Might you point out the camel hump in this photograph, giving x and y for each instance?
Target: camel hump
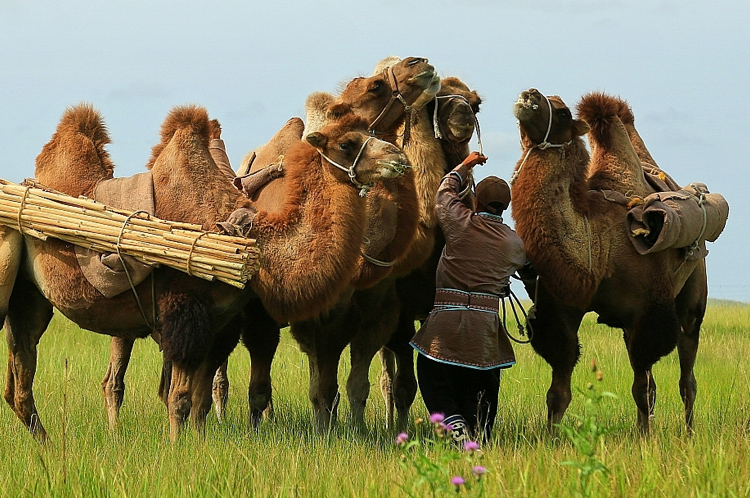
(191, 117)
(599, 110)
(316, 107)
(86, 120)
(214, 129)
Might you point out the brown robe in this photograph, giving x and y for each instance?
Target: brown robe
(480, 254)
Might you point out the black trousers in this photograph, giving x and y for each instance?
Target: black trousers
(456, 390)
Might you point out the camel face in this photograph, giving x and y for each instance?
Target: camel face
(457, 109)
(373, 98)
(546, 119)
(366, 159)
(456, 119)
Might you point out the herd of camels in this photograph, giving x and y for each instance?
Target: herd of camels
(341, 207)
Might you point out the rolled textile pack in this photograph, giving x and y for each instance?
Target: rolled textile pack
(36, 210)
(677, 219)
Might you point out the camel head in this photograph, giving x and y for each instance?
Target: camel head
(457, 106)
(384, 99)
(546, 121)
(346, 146)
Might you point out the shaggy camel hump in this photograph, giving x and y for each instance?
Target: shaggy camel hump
(191, 119)
(615, 163)
(75, 159)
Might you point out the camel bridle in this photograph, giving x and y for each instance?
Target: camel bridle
(436, 121)
(396, 96)
(543, 145)
(363, 187)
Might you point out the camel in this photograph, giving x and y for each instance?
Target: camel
(576, 241)
(390, 236)
(197, 320)
(450, 130)
(372, 313)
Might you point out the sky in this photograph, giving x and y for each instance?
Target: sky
(681, 65)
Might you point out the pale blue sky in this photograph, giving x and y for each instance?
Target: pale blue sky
(682, 66)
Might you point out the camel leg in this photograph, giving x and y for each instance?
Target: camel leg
(387, 372)
(655, 335)
(555, 338)
(223, 344)
(405, 379)
(323, 343)
(165, 381)
(358, 383)
(201, 395)
(179, 399)
(113, 384)
(28, 316)
(260, 335)
(691, 307)
(220, 390)
(363, 348)
(324, 391)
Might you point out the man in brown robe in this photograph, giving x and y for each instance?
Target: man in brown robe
(463, 345)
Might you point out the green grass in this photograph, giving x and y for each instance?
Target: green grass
(286, 458)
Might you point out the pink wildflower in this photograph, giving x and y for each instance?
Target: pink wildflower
(458, 481)
(436, 418)
(402, 438)
(471, 446)
(478, 470)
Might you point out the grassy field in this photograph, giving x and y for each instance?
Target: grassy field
(286, 458)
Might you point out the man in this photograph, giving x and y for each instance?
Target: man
(462, 345)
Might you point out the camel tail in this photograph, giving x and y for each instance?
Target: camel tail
(600, 110)
(87, 121)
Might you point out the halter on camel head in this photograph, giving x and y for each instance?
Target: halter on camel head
(395, 96)
(544, 144)
(439, 134)
(364, 187)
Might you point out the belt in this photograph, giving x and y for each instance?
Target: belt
(455, 297)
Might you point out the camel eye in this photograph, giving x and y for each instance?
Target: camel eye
(376, 86)
(345, 146)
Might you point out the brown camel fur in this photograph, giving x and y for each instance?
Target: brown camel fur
(194, 316)
(373, 313)
(575, 239)
(413, 76)
(392, 224)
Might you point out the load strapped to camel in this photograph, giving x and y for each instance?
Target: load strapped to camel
(682, 218)
(36, 210)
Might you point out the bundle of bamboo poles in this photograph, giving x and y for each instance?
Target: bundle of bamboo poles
(41, 212)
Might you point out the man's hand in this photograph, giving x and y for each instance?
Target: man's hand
(473, 159)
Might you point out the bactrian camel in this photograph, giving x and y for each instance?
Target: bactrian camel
(196, 319)
(576, 241)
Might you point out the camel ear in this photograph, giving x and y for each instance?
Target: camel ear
(475, 101)
(580, 127)
(337, 111)
(317, 139)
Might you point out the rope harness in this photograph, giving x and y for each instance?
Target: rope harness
(363, 187)
(395, 96)
(544, 145)
(151, 325)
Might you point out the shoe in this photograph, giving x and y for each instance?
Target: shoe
(459, 430)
